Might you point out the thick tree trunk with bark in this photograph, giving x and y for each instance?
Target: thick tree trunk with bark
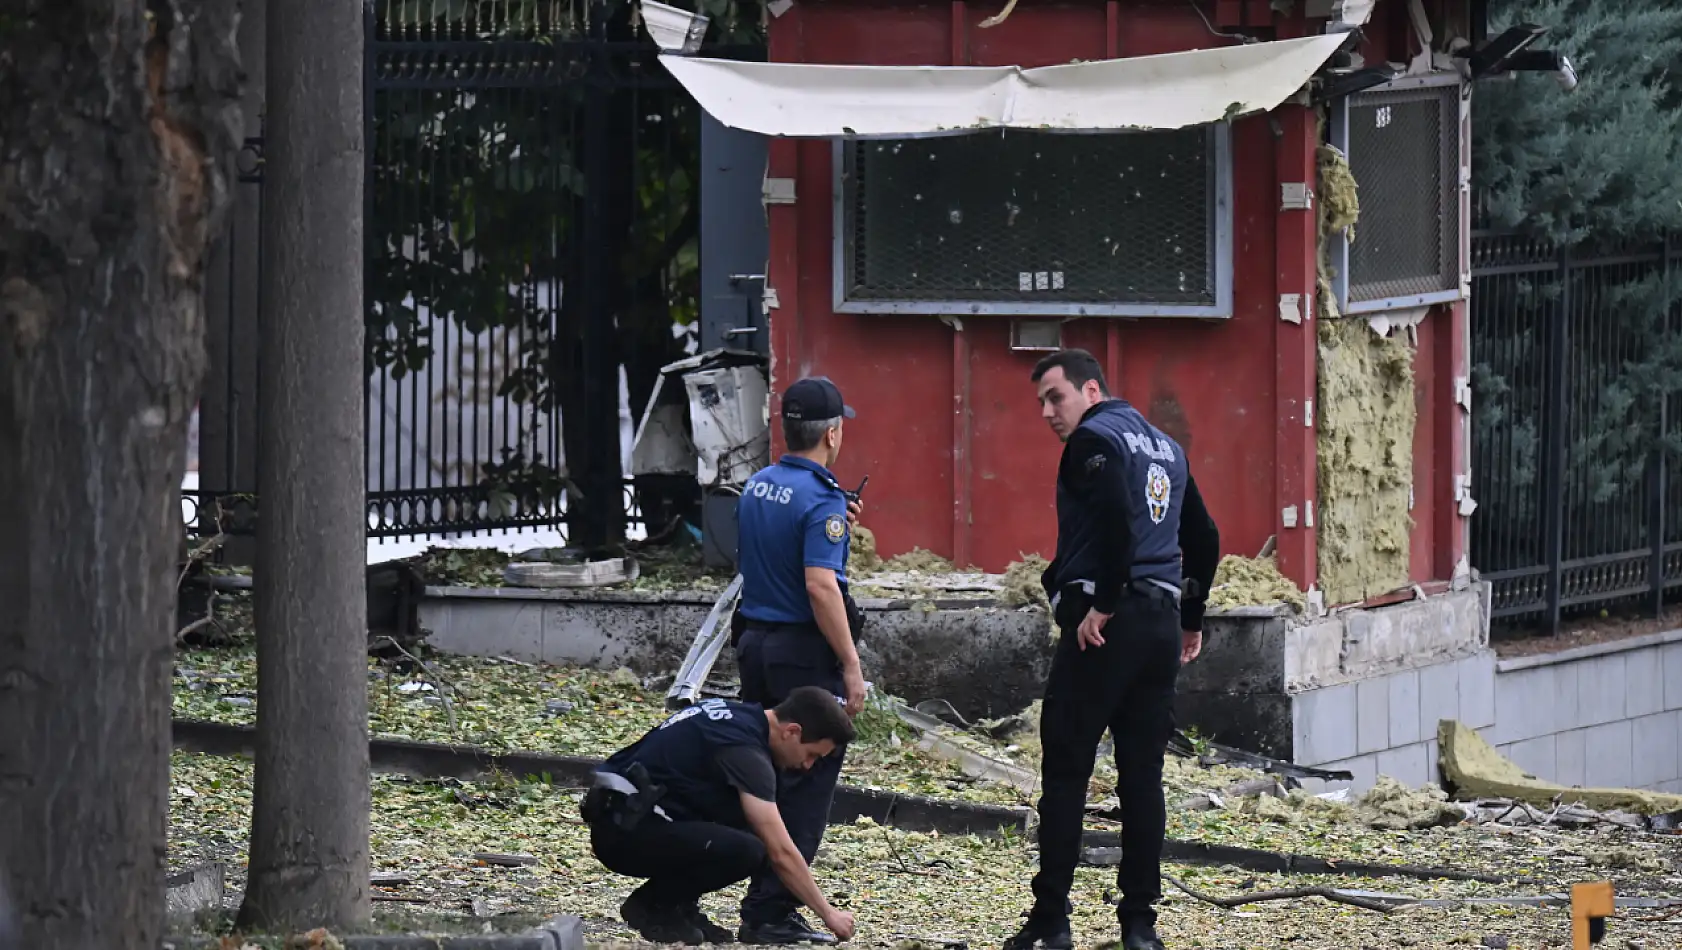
(117, 118)
(309, 834)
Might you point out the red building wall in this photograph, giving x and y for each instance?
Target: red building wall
(948, 427)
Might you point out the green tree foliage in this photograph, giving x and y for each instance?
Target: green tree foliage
(482, 212)
(1585, 176)
(1600, 161)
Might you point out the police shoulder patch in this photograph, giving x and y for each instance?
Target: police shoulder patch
(1094, 462)
(835, 528)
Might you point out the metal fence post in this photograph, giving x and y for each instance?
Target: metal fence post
(370, 141)
(1553, 498)
(599, 474)
(1658, 471)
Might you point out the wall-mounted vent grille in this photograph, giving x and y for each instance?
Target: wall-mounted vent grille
(1404, 151)
(996, 221)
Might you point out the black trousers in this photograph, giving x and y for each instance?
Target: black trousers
(681, 860)
(1126, 686)
(773, 662)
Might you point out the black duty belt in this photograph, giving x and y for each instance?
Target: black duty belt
(855, 623)
(770, 626)
(1145, 587)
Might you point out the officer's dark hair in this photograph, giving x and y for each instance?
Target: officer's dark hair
(1078, 366)
(804, 435)
(818, 715)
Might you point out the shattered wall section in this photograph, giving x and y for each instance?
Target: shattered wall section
(1364, 425)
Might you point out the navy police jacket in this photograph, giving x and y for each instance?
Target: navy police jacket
(1127, 507)
(691, 755)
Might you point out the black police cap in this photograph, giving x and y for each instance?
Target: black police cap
(814, 398)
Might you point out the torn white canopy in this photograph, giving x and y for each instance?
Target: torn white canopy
(1167, 91)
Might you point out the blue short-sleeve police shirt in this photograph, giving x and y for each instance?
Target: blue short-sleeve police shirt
(792, 515)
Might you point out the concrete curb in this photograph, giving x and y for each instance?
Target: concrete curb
(565, 932)
(428, 760)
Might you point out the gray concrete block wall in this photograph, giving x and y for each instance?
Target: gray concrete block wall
(1671, 654)
(1387, 725)
(1324, 724)
(1608, 716)
(986, 661)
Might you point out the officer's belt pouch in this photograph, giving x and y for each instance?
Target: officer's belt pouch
(593, 807)
(855, 615)
(738, 626)
(625, 801)
(1071, 604)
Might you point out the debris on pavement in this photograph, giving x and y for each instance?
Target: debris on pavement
(429, 834)
(861, 553)
(1476, 770)
(1252, 582)
(1213, 753)
(1021, 583)
(1388, 805)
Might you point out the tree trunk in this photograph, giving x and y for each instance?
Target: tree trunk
(309, 832)
(116, 119)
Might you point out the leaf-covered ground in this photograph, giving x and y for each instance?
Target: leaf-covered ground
(898, 884)
(515, 706)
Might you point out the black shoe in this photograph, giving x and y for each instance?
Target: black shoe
(710, 932)
(1044, 932)
(1140, 936)
(791, 929)
(659, 924)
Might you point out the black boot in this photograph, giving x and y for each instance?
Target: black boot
(710, 932)
(1140, 935)
(791, 929)
(1043, 931)
(659, 923)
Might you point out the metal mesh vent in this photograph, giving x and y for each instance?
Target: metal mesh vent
(1404, 152)
(1031, 218)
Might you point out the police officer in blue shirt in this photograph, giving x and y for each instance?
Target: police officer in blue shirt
(797, 623)
(691, 807)
(1136, 553)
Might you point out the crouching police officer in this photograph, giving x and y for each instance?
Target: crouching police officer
(796, 623)
(1128, 515)
(691, 807)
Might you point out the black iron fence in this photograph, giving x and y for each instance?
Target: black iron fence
(532, 213)
(1575, 376)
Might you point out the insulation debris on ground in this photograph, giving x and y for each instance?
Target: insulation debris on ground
(1388, 805)
(861, 552)
(1022, 585)
(917, 560)
(1471, 765)
(1252, 582)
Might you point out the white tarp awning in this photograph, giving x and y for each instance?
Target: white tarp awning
(1168, 91)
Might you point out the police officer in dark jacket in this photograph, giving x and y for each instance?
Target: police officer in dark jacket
(797, 623)
(1132, 534)
(691, 807)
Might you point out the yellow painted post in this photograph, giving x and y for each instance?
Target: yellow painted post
(1591, 904)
